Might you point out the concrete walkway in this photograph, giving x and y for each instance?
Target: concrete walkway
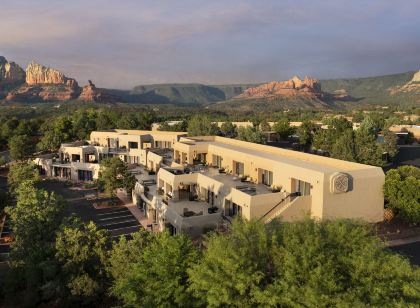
(137, 213)
(403, 241)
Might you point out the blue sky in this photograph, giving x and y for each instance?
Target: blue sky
(124, 43)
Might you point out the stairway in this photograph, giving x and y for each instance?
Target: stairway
(278, 209)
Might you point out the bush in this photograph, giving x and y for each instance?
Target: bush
(402, 192)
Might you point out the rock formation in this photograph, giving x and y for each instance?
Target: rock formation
(90, 93)
(10, 73)
(45, 84)
(308, 87)
(413, 86)
(39, 74)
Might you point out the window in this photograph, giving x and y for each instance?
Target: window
(266, 177)
(232, 209)
(133, 145)
(85, 175)
(239, 168)
(217, 161)
(303, 187)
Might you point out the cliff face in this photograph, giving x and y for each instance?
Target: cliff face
(90, 93)
(307, 87)
(10, 73)
(39, 74)
(45, 84)
(413, 86)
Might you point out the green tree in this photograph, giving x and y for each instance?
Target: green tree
(305, 133)
(368, 125)
(83, 124)
(324, 139)
(178, 127)
(21, 172)
(114, 174)
(128, 121)
(344, 148)
(264, 126)
(158, 278)
(104, 121)
(390, 143)
(201, 126)
(228, 129)
(283, 128)
(81, 254)
(307, 263)
(402, 192)
(55, 133)
(34, 220)
(234, 267)
(366, 148)
(145, 120)
(251, 134)
(125, 253)
(20, 147)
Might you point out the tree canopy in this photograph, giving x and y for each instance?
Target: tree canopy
(201, 126)
(308, 263)
(21, 147)
(20, 172)
(157, 275)
(402, 192)
(114, 174)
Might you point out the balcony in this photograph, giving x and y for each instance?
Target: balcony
(119, 150)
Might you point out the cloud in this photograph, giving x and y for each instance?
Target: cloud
(124, 43)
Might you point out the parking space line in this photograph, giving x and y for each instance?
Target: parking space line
(126, 227)
(113, 212)
(109, 218)
(119, 222)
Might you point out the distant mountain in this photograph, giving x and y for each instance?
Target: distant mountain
(39, 84)
(186, 93)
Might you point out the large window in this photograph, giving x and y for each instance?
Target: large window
(232, 209)
(266, 177)
(303, 187)
(85, 175)
(239, 168)
(217, 161)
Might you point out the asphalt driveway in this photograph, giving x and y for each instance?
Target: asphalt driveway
(116, 220)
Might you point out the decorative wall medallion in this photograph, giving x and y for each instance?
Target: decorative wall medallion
(340, 183)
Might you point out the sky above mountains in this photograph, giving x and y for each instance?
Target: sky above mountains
(120, 44)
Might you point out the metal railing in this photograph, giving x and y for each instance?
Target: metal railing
(288, 196)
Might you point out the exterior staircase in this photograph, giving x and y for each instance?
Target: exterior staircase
(279, 208)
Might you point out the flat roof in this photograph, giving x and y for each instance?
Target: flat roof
(274, 154)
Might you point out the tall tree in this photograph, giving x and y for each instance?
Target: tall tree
(344, 148)
(251, 134)
(34, 221)
(305, 133)
(21, 147)
(389, 144)
(234, 268)
(283, 128)
(308, 263)
(114, 174)
(158, 278)
(55, 133)
(402, 192)
(21, 172)
(228, 129)
(367, 150)
(201, 126)
(81, 254)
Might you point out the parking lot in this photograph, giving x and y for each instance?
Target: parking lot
(117, 220)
